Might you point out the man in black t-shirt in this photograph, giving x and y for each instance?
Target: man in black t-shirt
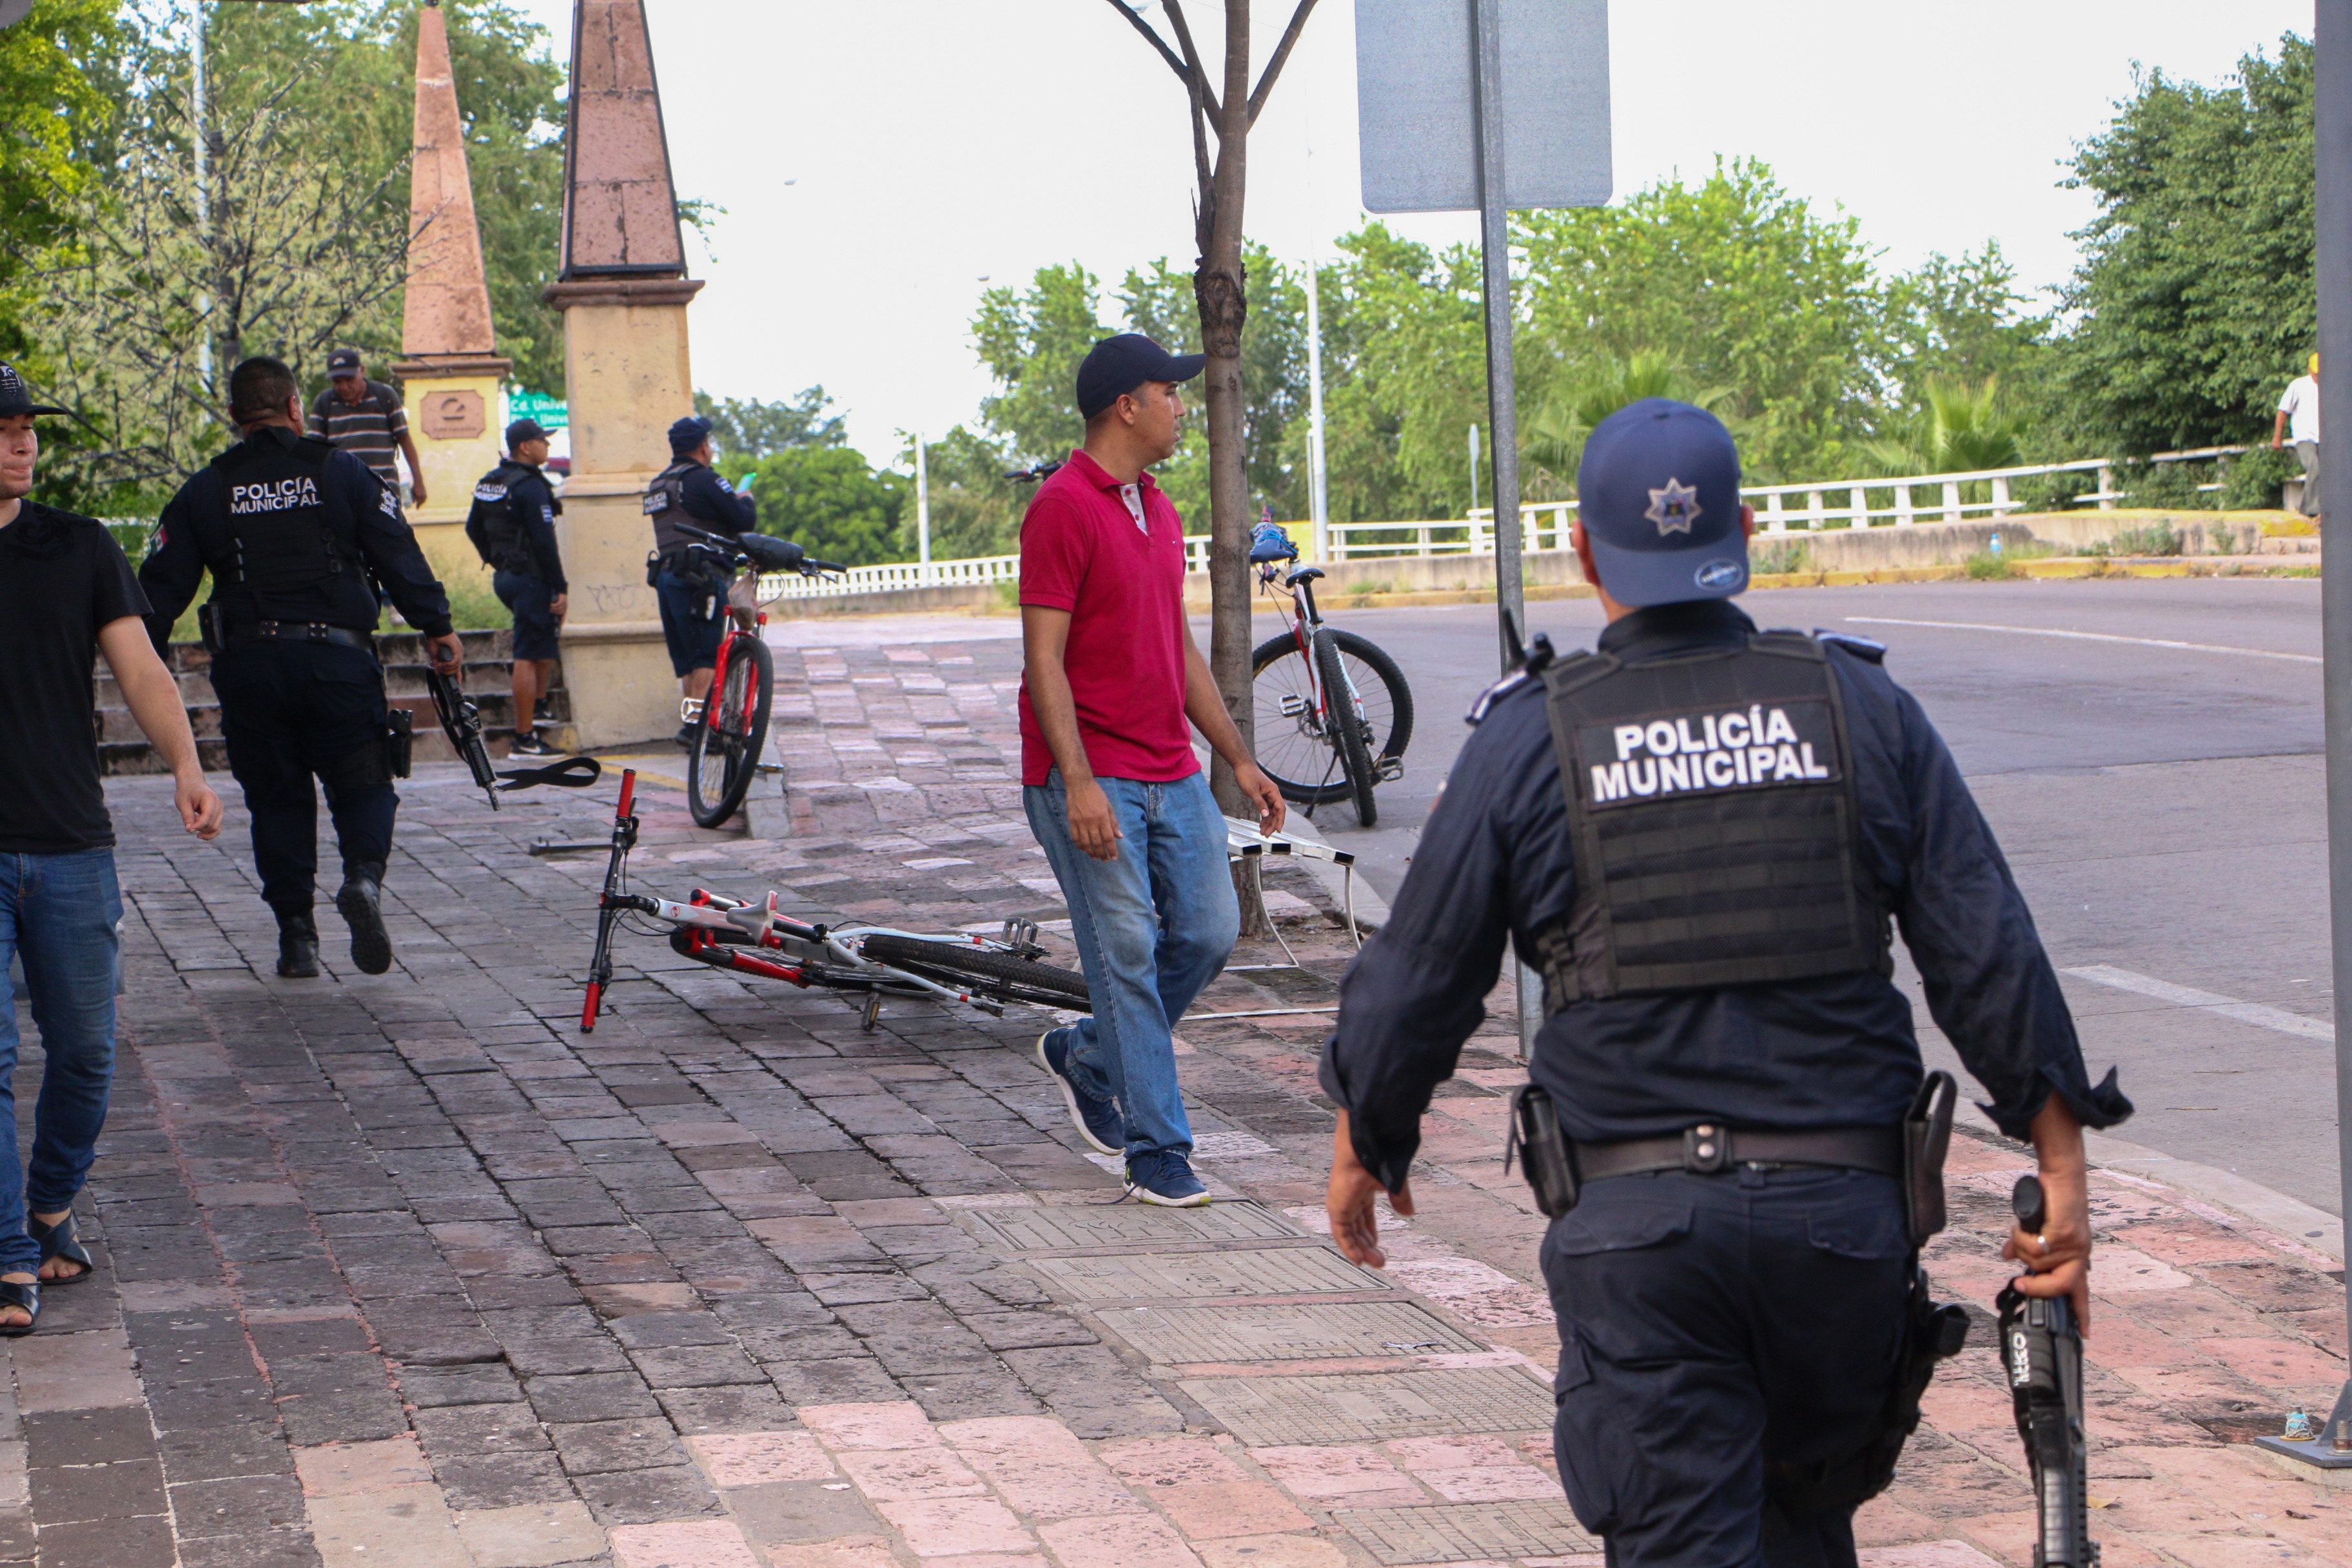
(66, 593)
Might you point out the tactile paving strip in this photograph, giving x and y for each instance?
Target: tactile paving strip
(1173, 1276)
(1467, 1531)
(1285, 1333)
(1050, 1227)
(1270, 1411)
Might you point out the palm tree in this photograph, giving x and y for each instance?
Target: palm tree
(1553, 438)
(1963, 429)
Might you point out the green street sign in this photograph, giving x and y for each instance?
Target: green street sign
(549, 411)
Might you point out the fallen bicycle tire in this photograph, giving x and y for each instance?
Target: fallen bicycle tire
(992, 974)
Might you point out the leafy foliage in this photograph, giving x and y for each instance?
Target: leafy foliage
(1963, 429)
(1553, 437)
(55, 72)
(748, 430)
(2196, 288)
(828, 501)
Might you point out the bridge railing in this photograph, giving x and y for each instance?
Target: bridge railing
(1898, 502)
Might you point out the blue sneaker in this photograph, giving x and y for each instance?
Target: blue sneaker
(1165, 1179)
(1096, 1116)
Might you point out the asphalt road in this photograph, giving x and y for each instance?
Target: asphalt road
(2155, 778)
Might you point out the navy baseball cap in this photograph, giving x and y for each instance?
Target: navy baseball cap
(523, 430)
(344, 362)
(1116, 366)
(688, 434)
(1659, 495)
(16, 399)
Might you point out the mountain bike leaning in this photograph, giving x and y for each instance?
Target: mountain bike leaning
(1334, 714)
(730, 725)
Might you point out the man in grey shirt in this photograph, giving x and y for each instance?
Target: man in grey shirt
(364, 418)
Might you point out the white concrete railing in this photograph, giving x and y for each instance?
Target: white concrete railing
(1779, 509)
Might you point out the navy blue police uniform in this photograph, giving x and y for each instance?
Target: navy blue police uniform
(293, 529)
(512, 526)
(693, 590)
(1699, 836)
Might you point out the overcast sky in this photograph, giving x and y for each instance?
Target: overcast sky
(935, 143)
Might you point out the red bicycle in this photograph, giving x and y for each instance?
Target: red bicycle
(730, 725)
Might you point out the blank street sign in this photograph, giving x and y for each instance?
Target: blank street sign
(1414, 110)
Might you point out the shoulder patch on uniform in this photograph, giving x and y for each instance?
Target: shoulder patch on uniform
(1865, 647)
(1488, 697)
(386, 502)
(488, 491)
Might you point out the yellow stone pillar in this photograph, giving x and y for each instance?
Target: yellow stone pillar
(451, 374)
(623, 293)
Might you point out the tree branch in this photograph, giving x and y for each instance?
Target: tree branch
(1156, 41)
(1281, 56)
(1191, 57)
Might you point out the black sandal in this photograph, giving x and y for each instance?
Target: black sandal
(61, 1240)
(26, 1299)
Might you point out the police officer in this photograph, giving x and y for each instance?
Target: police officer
(692, 586)
(292, 529)
(1699, 833)
(512, 526)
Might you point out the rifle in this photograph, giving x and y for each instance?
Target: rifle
(462, 722)
(2042, 1352)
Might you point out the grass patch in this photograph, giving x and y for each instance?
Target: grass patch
(1782, 558)
(2152, 539)
(1989, 566)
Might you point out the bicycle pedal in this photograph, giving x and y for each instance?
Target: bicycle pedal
(1295, 706)
(689, 710)
(1389, 770)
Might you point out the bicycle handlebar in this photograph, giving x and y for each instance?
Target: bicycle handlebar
(1042, 472)
(762, 551)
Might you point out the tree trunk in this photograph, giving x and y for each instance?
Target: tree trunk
(1218, 291)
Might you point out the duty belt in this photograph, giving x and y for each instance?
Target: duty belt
(299, 631)
(1711, 1147)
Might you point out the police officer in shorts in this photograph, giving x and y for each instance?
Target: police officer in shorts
(1699, 835)
(512, 526)
(292, 529)
(691, 582)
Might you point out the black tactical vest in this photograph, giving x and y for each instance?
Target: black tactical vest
(666, 505)
(503, 542)
(1716, 820)
(289, 539)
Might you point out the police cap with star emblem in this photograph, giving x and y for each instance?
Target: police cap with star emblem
(1659, 494)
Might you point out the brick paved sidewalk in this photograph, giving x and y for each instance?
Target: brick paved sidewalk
(403, 1269)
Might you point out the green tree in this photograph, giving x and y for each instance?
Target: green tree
(1552, 437)
(2196, 288)
(1958, 319)
(1032, 342)
(1743, 284)
(57, 104)
(827, 500)
(749, 429)
(975, 510)
(1963, 428)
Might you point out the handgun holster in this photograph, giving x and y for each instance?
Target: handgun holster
(1926, 1138)
(399, 741)
(1544, 1159)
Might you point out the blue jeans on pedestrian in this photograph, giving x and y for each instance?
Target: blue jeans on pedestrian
(60, 914)
(1152, 928)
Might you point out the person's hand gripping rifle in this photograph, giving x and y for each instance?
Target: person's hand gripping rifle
(461, 720)
(2042, 1355)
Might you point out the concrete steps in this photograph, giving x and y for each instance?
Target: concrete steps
(122, 749)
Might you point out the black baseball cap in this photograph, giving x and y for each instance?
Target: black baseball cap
(688, 434)
(344, 362)
(1116, 366)
(1658, 492)
(523, 430)
(16, 399)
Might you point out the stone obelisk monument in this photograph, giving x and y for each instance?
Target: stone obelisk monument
(451, 372)
(623, 293)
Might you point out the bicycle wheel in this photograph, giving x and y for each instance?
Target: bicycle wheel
(1292, 743)
(996, 974)
(734, 734)
(1339, 700)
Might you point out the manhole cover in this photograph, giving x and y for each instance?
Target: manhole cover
(1047, 1228)
(1265, 1411)
(1173, 1276)
(1285, 1333)
(1467, 1531)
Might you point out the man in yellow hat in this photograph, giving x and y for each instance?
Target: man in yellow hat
(2298, 420)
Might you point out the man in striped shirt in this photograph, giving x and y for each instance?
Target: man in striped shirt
(364, 418)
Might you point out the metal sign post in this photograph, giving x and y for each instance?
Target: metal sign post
(1499, 105)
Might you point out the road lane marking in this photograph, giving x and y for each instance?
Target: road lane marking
(2087, 636)
(2253, 1013)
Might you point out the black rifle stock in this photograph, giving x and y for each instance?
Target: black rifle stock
(462, 722)
(2041, 1354)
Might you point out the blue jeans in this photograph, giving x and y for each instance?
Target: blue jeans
(60, 914)
(1152, 927)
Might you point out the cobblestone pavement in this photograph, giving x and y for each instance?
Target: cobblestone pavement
(403, 1269)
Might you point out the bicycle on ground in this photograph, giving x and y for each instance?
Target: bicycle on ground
(1334, 714)
(730, 725)
(877, 961)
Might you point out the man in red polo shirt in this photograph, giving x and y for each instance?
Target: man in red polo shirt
(1110, 676)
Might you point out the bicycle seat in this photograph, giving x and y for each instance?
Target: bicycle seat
(1298, 575)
